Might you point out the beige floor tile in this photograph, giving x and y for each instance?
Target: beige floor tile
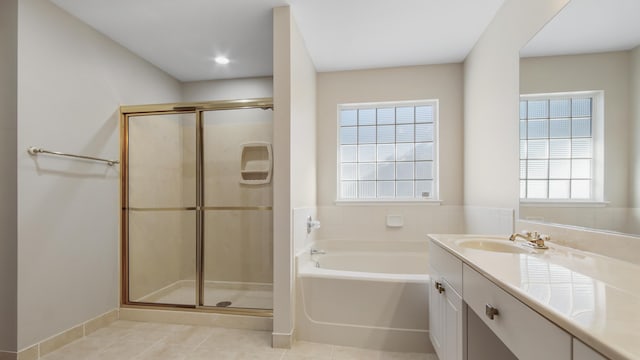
(309, 350)
(165, 351)
(203, 353)
(111, 333)
(351, 353)
(189, 336)
(125, 324)
(132, 340)
(142, 325)
(143, 335)
(80, 349)
(406, 356)
(122, 350)
(232, 339)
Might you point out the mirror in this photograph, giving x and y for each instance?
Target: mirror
(590, 47)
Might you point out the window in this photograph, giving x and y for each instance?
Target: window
(558, 153)
(388, 151)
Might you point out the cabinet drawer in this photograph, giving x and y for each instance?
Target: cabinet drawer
(526, 333)
(446, 265)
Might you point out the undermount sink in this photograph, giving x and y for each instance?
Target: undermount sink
(492, 245)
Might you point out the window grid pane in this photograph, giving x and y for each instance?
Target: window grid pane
(556, 148)
(388, 152)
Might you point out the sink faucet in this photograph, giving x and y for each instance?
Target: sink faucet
(533, 239)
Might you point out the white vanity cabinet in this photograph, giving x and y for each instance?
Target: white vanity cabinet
(446, 310)
(583, 352)
(527, 334)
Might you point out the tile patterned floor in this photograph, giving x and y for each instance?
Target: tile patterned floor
(124, 340)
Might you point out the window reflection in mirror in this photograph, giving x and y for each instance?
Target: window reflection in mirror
(590, 46)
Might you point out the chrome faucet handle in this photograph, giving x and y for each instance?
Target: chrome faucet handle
(312, 224)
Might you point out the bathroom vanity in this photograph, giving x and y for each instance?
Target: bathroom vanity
(557, 303)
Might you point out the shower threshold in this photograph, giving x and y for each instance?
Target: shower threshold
(240, 295)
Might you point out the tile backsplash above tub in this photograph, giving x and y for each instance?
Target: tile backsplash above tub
(370, 222)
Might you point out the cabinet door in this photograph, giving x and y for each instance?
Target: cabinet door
(452, 310)
(583, 352)
(445, 319)
(436, 316)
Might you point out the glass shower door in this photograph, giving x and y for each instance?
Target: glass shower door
(161, 209)
(238, 218)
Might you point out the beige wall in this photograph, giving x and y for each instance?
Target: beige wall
(71, 81)
(634, 141)
(604, 71)
(443, 82)
(368, 222)
(8, 180)
(228, 89)
(294, 154)
(491, 92)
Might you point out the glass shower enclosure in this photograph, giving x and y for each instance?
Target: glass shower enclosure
(197, 219)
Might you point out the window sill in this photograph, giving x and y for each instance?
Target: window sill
(376, 202)
(563, 203)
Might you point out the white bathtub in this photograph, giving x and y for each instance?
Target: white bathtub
(365, 294)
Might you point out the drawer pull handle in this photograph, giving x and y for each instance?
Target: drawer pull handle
(490, 311)
(439, 287)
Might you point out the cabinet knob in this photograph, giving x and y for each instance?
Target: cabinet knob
(490, 311)
(439, 287)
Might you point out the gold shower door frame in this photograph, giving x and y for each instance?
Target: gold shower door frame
(171, 109)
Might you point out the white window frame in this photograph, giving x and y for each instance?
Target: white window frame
(597, 136)
(434, 196)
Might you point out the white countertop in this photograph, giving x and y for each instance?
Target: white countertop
(592, 297)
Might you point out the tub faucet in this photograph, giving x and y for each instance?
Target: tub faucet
(317, 252)
(312, 224)
(533, 239)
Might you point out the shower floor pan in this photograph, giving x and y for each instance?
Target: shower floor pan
(216, 293)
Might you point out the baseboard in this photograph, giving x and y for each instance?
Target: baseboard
(63, 338)
(8, 355)
(282, 340)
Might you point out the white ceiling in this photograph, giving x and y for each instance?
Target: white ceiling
(588, 26)
(182, 37)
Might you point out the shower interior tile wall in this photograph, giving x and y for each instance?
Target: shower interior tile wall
(238, 243)
(157, 179)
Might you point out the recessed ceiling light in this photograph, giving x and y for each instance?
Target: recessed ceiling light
(221, 60)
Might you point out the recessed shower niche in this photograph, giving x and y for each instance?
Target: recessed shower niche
(256, 163)
(193, 235)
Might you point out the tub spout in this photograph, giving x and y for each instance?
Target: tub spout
(317, 252)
